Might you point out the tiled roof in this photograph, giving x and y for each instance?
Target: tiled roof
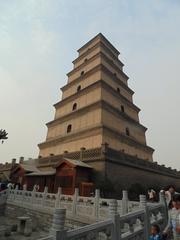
(42, 173)
(76, 163)
(29, 168)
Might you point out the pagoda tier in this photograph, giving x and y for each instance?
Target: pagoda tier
(96, 106)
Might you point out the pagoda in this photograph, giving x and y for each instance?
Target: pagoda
(97, 107)
(96, 139)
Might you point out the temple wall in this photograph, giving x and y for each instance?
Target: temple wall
(73, 145)
(115, 85)
(85, 82)
(86, 68)
(82, 121)
(114, 60)
(87, 56)
(95, 51)
(116, 143)
(124, 176)
(119, 124)
(117, 102)
(113, 70)
(81, 101)
(93, 43)
(98, 60)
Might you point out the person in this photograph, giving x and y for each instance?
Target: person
(3, 186)
(36, 188)
(10, 185)
(151, 195)
(155, 233)
(174, 219)
(169, 194)
(24, 187)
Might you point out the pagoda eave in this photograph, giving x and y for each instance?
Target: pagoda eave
(104, 39)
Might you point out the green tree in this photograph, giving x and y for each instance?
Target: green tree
(135, 190)
(106, 188)
(3, 135)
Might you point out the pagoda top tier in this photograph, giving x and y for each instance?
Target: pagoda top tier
(100, 38)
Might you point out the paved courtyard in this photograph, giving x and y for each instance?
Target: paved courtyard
(7, 223)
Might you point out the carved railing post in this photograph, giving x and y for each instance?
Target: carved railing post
(32, 196)
(116, 231)
(44, 196)
(162, 200)
(96, 204)
(75, 197)
(23, 196)
(25, 187)
(143, 205)
(58, 225)
(58, 197)
(15, 193)
(125, 202)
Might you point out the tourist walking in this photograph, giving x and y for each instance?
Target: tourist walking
(152, 197)
(36, 188)
(10, 185)
(169, 194)
(174, 219)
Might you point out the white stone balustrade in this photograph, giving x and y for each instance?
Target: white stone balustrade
(133, 225)
(90, 209)
(115, 221)
(3, 197)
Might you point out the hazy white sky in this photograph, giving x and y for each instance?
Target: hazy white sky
(38, 42)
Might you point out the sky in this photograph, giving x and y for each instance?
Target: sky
(39, 40)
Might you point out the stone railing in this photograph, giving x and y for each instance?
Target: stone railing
(3, 197)
(135, 225)
(107, 218)
(87, 209)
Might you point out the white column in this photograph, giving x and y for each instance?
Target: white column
(44, 195)
(58, 224)
(76, 194)
(113, 214)
(58, 196)
(96, 203)
(162, 200)
(32, 197)
(15, 192)
(125, 202)
(143, 205)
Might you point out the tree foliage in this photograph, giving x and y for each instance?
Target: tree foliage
(3, 135)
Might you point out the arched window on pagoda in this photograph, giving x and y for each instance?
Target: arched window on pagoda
(118, 90)
(69, 128)
(122, 108)
(82, 73)
(74, 106)
(127, 132)
(78, 88)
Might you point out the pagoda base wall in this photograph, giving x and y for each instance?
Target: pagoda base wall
(125, 177)
(114, 177)
(115, 170)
